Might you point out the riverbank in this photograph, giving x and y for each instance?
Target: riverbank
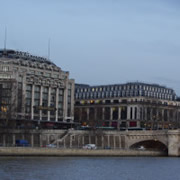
(29, 151)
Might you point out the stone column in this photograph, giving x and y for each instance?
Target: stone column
(14, 139)
(72, 99)
(162, 119)
(119, 113)
(108, 138)
(4, 140)
(103, 115)
(168, 115)
(96, 140)
(138, 124)
(157, 114)
(111, 116)
(40, 140)
(32, 103)
(114, 139)
(80, 117)
(156, 122)
(95, 114)
(87, 114)
(138, 113)
(32, 140)
(119, 141)
(83, 140)
(111, 113)
(70, 143)
(102, 140)
(78, 140)
(57, 100)
(49, 102)
(133, 112)
(65, 102)
(119, 117)
(145, 113)
(174, 116)
(41, 98)
(128, 112)
(24, 93)
(151, 115)
(128, 116)
(89, 139)
(64, 141)
(48, 139)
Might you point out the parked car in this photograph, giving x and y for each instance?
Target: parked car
(107, 147)
(141, 148)
(22, 143)
(51, 145)
(90, 146)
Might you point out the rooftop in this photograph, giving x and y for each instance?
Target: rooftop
(123, 84)
(8, 53)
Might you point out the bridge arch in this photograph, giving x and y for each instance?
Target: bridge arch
(150, 145)
(150, 136)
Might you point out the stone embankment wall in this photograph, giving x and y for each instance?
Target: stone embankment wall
(115, 140)
(28, 151)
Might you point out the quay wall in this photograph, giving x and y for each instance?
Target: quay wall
(76, 139)
(29, 151)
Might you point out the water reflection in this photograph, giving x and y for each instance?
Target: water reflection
(92, 168)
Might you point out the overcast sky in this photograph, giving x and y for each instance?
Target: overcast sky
(99, 41)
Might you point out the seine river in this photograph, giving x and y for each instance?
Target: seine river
(89, 168)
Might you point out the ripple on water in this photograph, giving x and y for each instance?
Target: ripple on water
(89, 168)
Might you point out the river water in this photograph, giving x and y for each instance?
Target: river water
(89, 168)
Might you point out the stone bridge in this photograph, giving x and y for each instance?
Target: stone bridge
(161, 140)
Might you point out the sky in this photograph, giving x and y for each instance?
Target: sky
(99, 41)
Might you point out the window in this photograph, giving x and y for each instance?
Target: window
(15, 69)
(56, 75)
(47, 74)
(110, 94)
(37, 88)
(87, 95)
(39, 73)
(5, 68)
(32, 72)
(5, 76)
(102, 94)
(45, 89)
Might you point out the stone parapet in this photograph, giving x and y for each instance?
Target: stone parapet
(27, 151)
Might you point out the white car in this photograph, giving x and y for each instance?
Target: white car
(51, 146)
(90, 146)
(141, 148)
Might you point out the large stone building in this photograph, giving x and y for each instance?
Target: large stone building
(131, 105)
(34, 89)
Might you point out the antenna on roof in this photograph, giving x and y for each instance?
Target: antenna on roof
(49, 41)
(5, 38)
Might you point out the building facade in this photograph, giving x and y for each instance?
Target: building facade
(127, 106)
(34, 89)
